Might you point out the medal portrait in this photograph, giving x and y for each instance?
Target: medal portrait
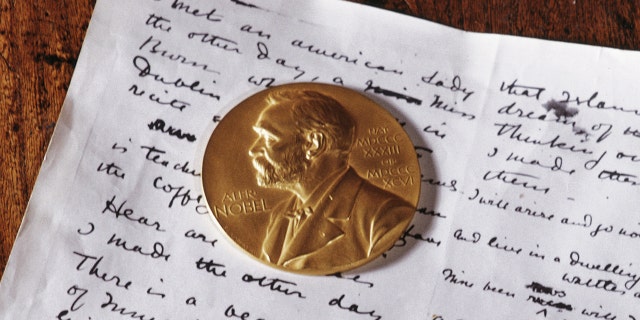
(330, 188)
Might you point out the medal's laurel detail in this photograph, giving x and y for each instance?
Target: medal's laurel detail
(311, 178)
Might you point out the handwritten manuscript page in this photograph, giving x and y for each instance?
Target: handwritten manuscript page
(529, 152)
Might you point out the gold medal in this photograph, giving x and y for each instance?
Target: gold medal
(311, 178)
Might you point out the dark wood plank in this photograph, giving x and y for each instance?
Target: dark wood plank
(39, 44)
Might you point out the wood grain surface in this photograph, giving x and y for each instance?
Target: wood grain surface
(40, 42)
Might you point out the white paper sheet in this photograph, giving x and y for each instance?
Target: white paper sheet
(528, 149)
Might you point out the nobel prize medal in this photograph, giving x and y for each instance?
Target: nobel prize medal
(311, 178)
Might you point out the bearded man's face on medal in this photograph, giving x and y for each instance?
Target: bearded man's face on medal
(332, 219)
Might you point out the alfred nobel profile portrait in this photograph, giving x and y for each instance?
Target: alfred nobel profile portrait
(333, 217)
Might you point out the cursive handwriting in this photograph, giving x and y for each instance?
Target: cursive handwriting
(550, 303)
(260, 33)
(485, 200)
(591, 103)
(144, 70)
(514, 133)
(600, 314)
(586, 222)
(158, 22)
(216, 41)
(119, 211)
(390, 93)
(97, 273)
(323, 52)
(216, 269)
(274, 284)
(379, 67)
(614, 175)
(154, 46)
(493, 243)
(153, 97)
(154, 155)
(601, 284)
(451, 185)
(440, 104)
(501, 291)
(556, 166)
(192, 234)
(429, 212)
(178, 193)
(521, 90)
(161, 125)
(188, 9)
(355, 278)
(452, 277)
(416, 236)
(115, 308)
(632, 132)
(611, 268)
(515, 111)
(263, 54)
(353, 308)
(474, 238)
(515, 178)
(111, 169)
(75, 305)
(539, 288)
(157, 252)
(454, 85)
(230, 312)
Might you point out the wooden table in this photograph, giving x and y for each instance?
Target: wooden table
(40, 42)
